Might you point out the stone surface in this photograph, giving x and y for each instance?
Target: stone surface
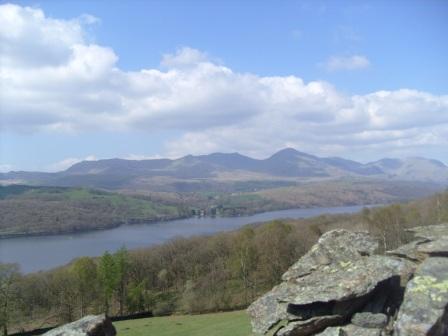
(425, 304)
(267, 312)
(437, 247)
(328, 284)
(350, 330)
(409, 251)
(308, 327)
(91, 325)
(341, 280)
(430, 232)
(369, 320)
(341, 287)
(334, 246)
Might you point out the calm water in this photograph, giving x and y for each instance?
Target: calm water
(45, 252)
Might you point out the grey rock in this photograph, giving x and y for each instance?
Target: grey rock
(91, 325)
(350, 330)
(340, 281)
(409, 251)
(308, 327)
(437, 247)
(333, 246)
(332, 281)
(369, 320)
(267, 313)
(430, 232)
(424, 310)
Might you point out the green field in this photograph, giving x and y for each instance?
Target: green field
(221, 324)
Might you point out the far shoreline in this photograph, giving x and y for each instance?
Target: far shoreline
(131, 222)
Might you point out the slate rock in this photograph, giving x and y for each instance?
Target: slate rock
(308, 327)
(342, 280)
(430, 232)
(334, 246)
(424, 310)
(369, 320)
(437, 247)
(267, 312)
(350, 330)
(327, 285)
(91, 325)
(409, 251)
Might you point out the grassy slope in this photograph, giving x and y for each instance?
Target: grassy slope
(37, 210)
(219, 324)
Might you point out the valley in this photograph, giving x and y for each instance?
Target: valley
(104, 194)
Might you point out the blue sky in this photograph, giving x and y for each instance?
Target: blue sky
(358, 79)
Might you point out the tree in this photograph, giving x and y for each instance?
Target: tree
(121, 261)
(9, 275)
(245, 258)
(137, 297)
(277, 249)
(107, 274)
(388, 223)
(85, 273)
(64, 296)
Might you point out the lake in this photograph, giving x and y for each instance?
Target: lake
(45, 252)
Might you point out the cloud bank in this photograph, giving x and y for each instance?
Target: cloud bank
(54, 80)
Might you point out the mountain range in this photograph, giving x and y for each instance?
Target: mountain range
(287, 166)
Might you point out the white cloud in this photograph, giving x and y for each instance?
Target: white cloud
(4, 168)
(185, 56)
(144, 157)
(71, 85)
(354, 62)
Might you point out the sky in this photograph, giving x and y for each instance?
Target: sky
(88, 80)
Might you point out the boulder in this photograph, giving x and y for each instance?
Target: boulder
(335, 279)
(91, 325)
(409, 251)
(350, 330)
(301, 328)
(267, 312)
(341, 287)
(424, 310)
(334, 246)
(430, 232)
(340, 281)
(437, 247)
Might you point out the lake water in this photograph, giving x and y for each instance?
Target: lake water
(45, 252)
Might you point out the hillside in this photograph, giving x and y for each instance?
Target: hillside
(52, 210)
(223, 272)
(226, 172)
(38, 210)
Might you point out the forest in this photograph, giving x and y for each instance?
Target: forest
(222, 272)
(33, 210)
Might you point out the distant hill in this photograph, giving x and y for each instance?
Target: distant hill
(28, 210)
(210, 172)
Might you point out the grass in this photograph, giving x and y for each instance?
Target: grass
(220, 324)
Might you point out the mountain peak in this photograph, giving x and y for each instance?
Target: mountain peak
(290, 153)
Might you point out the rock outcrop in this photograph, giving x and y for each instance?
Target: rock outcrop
(341, 287)
(92, 325)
